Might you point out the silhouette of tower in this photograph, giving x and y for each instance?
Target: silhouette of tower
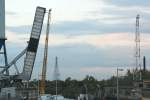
(56, 70)
(56, 75)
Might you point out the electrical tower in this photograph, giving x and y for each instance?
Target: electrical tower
(56, 70)
(137, 48)
(56, 75)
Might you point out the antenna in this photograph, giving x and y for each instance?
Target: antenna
(56, 70)
(56, 75)
(137, 42)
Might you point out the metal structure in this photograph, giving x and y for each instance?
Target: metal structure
(137, 47)
(56, 75)
(2, 19)
(33, 43)
(56, 70)
(2, 35)
(42, 84)
(30, 54)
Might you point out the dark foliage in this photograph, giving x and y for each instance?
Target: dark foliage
(71, 88)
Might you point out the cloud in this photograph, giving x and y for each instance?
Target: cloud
(75, 57)
(95, 40)
(68, 28)
(126, 15)
(91, 37)
(19, 39)
(109, 19)
(81, 28)
(98, 40)
(25, 29)
(93, 27)
(11, 13)
(129, 3)
(83, 54)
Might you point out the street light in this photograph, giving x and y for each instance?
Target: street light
(118, 83)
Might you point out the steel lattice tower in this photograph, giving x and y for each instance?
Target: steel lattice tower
(56, 75)
(56, 70)
(137, 42)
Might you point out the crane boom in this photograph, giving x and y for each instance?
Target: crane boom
(33, 44)
(42, 84)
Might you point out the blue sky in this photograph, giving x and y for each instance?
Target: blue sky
(90, 37)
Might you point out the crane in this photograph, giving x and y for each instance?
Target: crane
(30, 52)
(42, 83)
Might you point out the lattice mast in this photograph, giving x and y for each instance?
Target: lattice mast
(45, 59)
(56, 75)
(56, 70)
(137, 41)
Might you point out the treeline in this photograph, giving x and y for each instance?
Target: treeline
(71, 88)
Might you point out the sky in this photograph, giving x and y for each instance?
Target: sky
(90, 37)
